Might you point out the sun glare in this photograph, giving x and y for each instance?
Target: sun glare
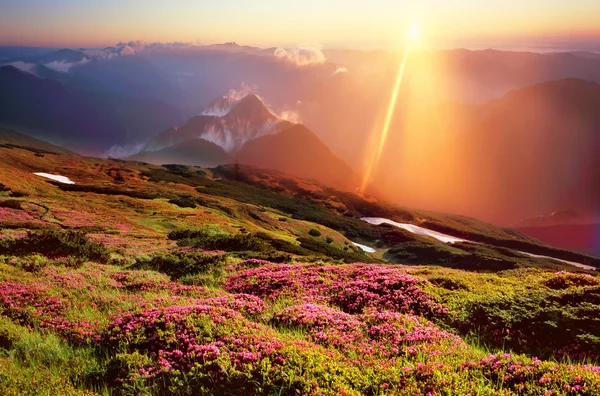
(414, 31)
(383, 135)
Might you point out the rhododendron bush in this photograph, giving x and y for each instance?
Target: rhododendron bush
(281, 329)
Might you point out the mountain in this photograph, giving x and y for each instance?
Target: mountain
(555, 218)
(241, 120)
(297, 151)
(539, 146)
(251, 134)
(84, 120)
(532, 151)
(584, 238)
(565, 229)
(65, 55)
(13, 139)
(193, 152)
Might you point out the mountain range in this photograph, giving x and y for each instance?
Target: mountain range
(246, 131)
(495, 134)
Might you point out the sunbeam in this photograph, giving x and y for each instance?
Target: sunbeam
(374, 160)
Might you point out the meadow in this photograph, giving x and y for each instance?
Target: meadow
(148, 280)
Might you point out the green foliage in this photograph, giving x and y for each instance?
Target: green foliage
(11, 204)
(465, 255)
(183, 202)
(106, 190)
(34, 349)
(10, 332)
(16, 380)
(349, 255)
(296, 207)
(35, 150)
(329, 240)
(540, 322)
(226, 242)
(55, 243)
(176, 174)
(180, 264)
(566, 280)
(314, 233)
(284, 246)
(449, 282)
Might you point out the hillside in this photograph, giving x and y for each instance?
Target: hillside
(298, 151)
(251, 134)
(194, 152)
(532, 151)
(237, 123)
(178, 279)
(68, 111)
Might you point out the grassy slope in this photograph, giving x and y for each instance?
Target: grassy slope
(56, 350)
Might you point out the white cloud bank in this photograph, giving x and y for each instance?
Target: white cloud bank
(302, 55)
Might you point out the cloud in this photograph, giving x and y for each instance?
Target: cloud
(24, 66)
(289, 115)
(63, 66)
(127, 50)
(302, 55)
(245, 90)
(224, 105)
(124, 151)
(340, 70)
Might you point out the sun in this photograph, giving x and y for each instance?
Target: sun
(414, 31)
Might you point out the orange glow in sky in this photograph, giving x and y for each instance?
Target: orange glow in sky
(383, 135)
(332, 23)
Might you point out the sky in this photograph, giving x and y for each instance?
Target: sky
(360, 24)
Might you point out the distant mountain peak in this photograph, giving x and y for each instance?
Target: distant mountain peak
(228, 122)
(251, 107)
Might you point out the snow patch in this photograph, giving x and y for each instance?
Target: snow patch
(579, 265)
(450, 239)
(364, 247)
(415, 229)
(58, 178)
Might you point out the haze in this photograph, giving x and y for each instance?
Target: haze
(377, 24)
(486, 109)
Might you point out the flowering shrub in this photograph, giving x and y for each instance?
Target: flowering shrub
(324, 325)
(376, 334)
(32, 305)
(352, 287)
(200, 339)
(352, 330)
(533, 376)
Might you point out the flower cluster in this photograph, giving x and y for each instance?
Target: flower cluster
(184, 338)
(324, 325)
(377, 334)
(351, 287)
(534, 376)
(33, 305)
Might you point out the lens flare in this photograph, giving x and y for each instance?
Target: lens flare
(414, 31)
(374, 161)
